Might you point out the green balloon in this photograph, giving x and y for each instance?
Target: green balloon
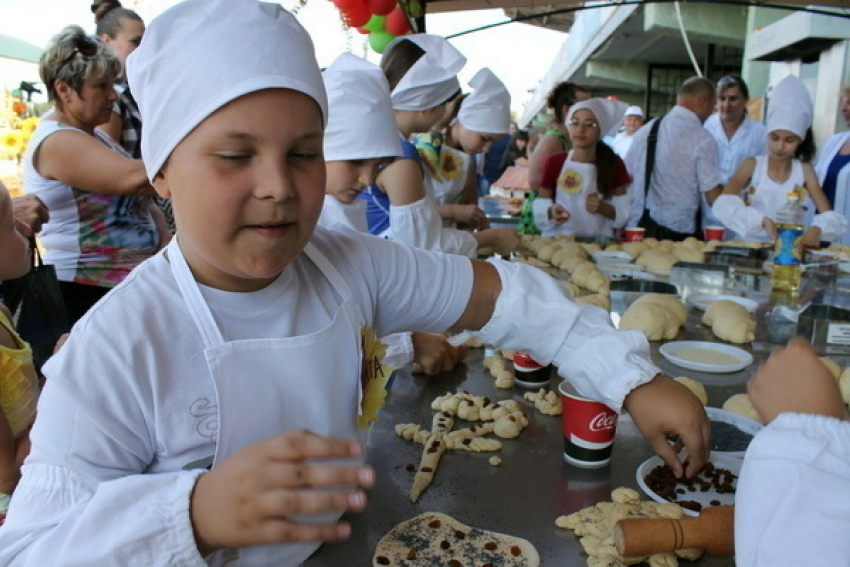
(375, 24)
(380, 40)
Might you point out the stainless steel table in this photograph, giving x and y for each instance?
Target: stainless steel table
(533, 485)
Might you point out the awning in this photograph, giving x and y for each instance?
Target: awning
(439, 6)
(18, 49)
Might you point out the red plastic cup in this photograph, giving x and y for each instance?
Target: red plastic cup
(714, 233)
(528, 373)
(589, 429)
(634, 234)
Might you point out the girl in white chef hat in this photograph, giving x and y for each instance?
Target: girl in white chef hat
(483, 118)
(422, 73)
(221, 426)
(584, 191)
(787, 168)
(361, 135)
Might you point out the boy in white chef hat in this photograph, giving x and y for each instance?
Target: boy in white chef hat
(584, 191)
(632, 121)
(249, 328)
(361, 136)
(482, 119)
(785, 169)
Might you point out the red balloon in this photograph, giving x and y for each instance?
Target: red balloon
(396, 22)
(358, 16)
(364, 31)
(344, 5)
(381, 7)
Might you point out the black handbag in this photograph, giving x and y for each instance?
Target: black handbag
(36, 303)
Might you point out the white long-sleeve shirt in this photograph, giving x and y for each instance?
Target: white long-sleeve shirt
(685, 168)
(792, 505)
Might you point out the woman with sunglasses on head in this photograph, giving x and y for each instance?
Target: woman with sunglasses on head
(103, 222)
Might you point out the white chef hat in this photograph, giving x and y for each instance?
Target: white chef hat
(790, 107)
(634, 111)
(201, 54)
(432, 80)
(609, 113)
(361, 123)
(488, 108)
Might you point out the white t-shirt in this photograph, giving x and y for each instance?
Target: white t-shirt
(749, 140)
(141, 400)
(337, 213)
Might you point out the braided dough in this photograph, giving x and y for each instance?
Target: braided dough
(730, 322)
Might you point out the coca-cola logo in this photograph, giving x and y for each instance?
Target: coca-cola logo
(603, 421)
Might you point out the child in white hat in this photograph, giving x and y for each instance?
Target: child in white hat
(483, 118)
(584, 191)
(787, 168)
(221, 425)
(421, 70)
(632, 122)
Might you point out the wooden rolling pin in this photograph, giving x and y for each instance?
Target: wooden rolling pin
(713, 531)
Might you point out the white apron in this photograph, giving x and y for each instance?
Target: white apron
(454, 168)
(575, 182)
(265, 387)
(768, 197)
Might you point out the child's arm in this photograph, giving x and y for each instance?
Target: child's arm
(731, 210)
(546, 211)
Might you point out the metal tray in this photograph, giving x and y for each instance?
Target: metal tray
(761, 253)
(826, 326)
(624, 292)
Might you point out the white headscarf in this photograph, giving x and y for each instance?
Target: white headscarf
(361, 124)
(609, 113)
(184, 70)
(432, 80)
(488, 108)
(790, 107)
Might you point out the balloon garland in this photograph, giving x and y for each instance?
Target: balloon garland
(381, 20)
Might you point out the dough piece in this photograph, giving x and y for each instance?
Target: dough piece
(591, 247)
(572, 289)
(589, 277)
(495, 461)
(598, 299)
(650, 242)
(435, 446)
(635, 249)
(614, 247)
(547, 403)
(511, 425)
(547, 252)
(844, 385)
(412, 432)
(568, 250)
(436, 539)
(689, 254)
(572, 263)
(501, 370)
(695, 387)
(657, 261)
(539, 243)
(740, 403)
(730, 322)
(693, 243)
(659, 316)
(833, 367)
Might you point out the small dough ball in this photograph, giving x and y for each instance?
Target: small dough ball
(495, 461)
(695, 387)
(740, 403)
(832, 366)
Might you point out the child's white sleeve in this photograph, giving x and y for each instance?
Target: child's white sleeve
(791, 503)
(534, 315)
(833, 225)
(622, 209)
(736, 215)
(419, 225)
(540, 208)
(399, 350)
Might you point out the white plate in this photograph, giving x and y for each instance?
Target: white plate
(611, 257)
(702, 302)
(742, 422)
(722, 460)
(669, 351)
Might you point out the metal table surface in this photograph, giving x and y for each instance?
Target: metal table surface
(533, 485)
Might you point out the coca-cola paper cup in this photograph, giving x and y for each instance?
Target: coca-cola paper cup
(589, 429)
(634, 234)
(528, 373)
(714, 233)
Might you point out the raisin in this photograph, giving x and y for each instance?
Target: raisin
(459, 534)
(516, 551)
(455, 563)
(411, 467)
(411, 554)
(467, 441)
(489, 564)
(381, 560)
(490, 546)
(434, 524)
(445, 545)
(427, 469)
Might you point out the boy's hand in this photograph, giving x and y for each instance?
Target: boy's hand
(794, 380)
(434, 353)
(559, 214)
(662, 408)
(248, 499)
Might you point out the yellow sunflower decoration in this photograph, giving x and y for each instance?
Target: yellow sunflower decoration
(570, 181)
(374, 375)
(28, 126)
(451, 165)
(12, 142)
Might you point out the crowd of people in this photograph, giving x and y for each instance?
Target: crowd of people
(246, 223)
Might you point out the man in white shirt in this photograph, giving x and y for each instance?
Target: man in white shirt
(632, 121)
(685, 166)
(738, 136)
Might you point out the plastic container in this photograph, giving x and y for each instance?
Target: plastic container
(788, 259)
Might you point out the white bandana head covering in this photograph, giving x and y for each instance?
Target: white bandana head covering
(432, 79)
(202, 54)
(790, 107)
(488, 108)
(634, 111)
(609, 113)
(361, 123)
